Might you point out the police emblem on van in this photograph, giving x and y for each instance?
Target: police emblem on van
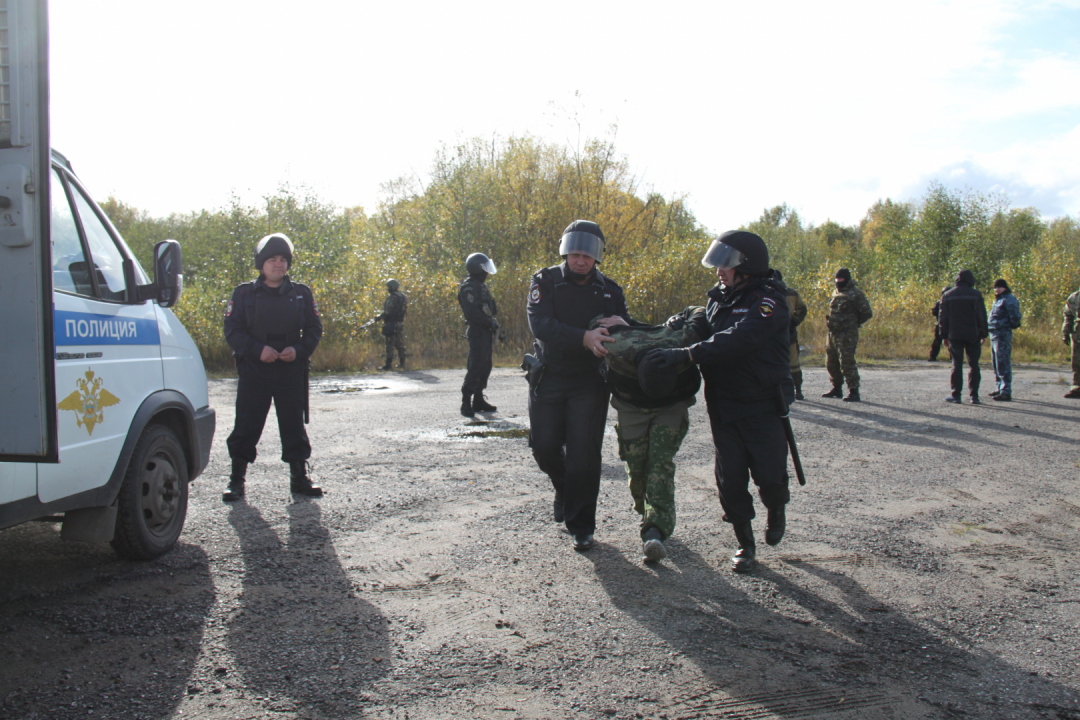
(88, 400)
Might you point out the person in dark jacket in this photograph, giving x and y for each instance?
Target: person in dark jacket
(272, 325)
(935, 345)
(1004, 318)
(395, 307)
(653, 410)
(479, 309)
(748, 385)
(964, 327)
(568, 406)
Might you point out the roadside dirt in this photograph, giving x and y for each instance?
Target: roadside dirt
(930, 570)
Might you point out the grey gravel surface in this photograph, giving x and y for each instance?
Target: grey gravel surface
(929, 571)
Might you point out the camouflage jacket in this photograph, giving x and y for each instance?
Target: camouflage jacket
(620, 366)
(1072, 315)
(394, 308)
(848, 309)
(798, 311)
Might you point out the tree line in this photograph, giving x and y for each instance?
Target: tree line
(511, 199)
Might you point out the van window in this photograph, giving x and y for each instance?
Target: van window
(108, 262)
(70, 269)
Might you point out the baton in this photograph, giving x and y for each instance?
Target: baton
(307, 392)
(785, 418)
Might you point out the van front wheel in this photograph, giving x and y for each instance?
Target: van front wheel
(152, 503)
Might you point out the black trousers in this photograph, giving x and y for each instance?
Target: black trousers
(935, 346)
(752, 447)
(284, 384)
(567, 417)
(479, 368)
(973, 349)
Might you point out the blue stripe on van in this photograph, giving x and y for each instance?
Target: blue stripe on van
(75, 328)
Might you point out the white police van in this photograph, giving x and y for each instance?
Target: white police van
(104, 409)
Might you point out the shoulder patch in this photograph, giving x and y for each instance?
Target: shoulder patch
(766, 308)
(534, 294)
(228, 308)
(314, 305)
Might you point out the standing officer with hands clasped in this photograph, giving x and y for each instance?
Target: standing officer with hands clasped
(568, 406)
(748, 385)
(480, 310)
(272, 325)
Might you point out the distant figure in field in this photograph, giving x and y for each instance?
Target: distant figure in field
(964, 327)
(393, 317)
(848, 310)
(1004, 318)
(798, 311)
(1070, 331)
(935, 346)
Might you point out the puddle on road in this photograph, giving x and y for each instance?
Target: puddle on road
(336, 386)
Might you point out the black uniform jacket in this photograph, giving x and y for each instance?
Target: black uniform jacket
(963, 314)
(474, 297)
(559, 312)
(259, 315)
(747, 357)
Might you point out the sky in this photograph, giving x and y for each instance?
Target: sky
(174, 107)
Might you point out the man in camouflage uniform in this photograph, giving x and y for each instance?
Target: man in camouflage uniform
(653, 415)
(1070, 333)
(393, 317)
(848, 310)
(798, 311)
(480, 310)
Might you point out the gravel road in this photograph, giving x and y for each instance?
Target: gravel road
(930, 570)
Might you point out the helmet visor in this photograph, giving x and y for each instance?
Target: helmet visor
(584, 243)
(488, 266)
(721, 255)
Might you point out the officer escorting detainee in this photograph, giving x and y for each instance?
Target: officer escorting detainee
(272, 325)
(568, 406)
(748, 385)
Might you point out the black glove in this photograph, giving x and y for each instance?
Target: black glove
(676, 322)
(662, 358)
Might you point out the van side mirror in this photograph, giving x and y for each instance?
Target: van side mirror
(168, 272)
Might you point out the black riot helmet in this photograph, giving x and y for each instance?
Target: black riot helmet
(585, 237)
(392, 285)
(738, 250)
(271, 245)
(478, 263)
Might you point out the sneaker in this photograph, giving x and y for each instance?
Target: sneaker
(975, 400)
(1003, 397)
(953, 399)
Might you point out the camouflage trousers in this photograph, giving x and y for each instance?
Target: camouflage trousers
(396, 340)
(796, 367)
(1001, 359)
(648, 442)
(1076, 362)
(840, 358)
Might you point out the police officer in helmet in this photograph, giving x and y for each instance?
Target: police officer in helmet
(568, 407)
(744, 363)
(479, 309)
(272, 325)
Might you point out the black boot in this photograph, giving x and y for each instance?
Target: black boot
(743, 562)
(798, 393)
(479, 404)
(387, 365)
(774, 526)
(836, 392)
(300, 482)
(466, 405)
(852, 396)
(236, 481)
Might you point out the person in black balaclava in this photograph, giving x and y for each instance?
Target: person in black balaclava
(848, 310)
(568, 407)
(480, 310)
(964, 326)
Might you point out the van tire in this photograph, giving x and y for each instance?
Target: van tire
(152, 504)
